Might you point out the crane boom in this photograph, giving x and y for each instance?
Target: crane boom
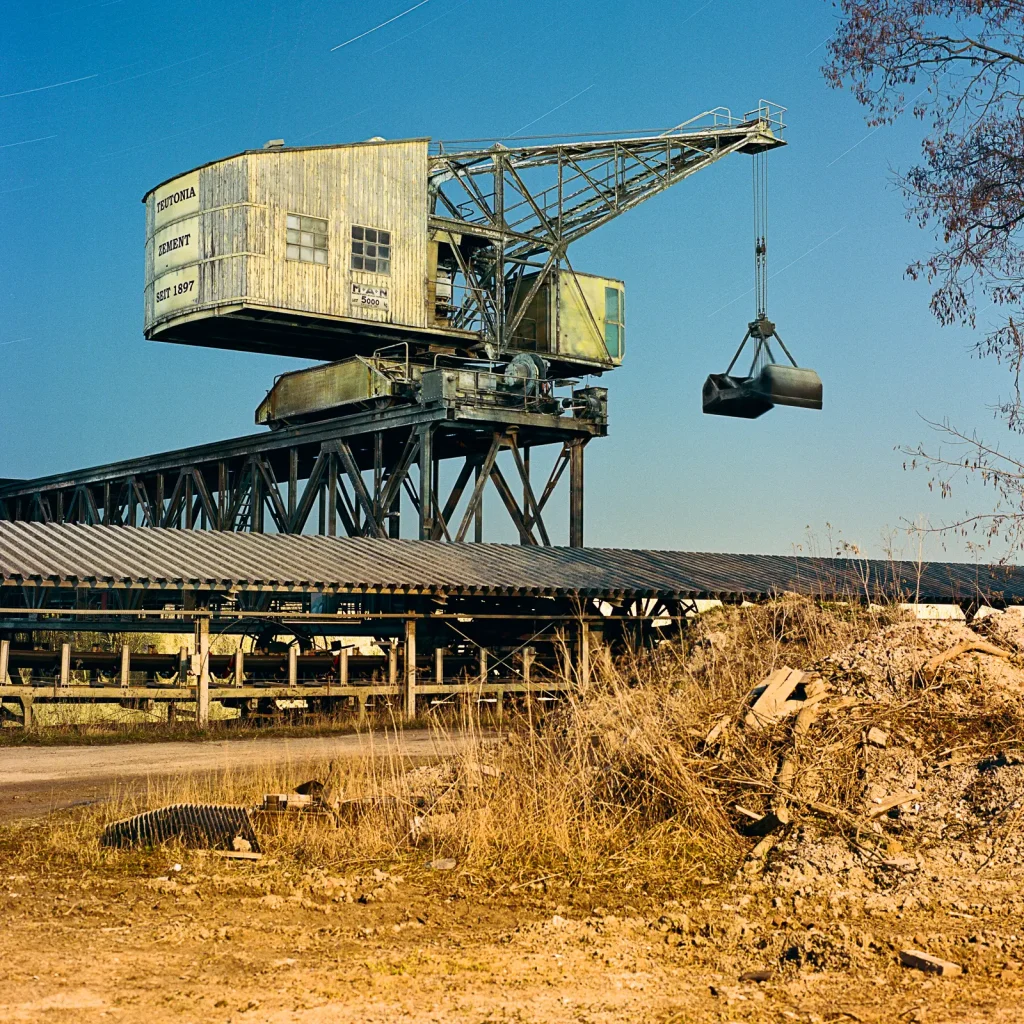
(512, 211)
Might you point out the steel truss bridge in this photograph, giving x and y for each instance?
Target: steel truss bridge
(344, 477)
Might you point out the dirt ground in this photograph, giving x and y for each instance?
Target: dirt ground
(227, 941)
(900, 827)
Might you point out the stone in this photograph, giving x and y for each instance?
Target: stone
(931, 964)
(877, 737)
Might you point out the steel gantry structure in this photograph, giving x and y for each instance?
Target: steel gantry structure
(344, 476)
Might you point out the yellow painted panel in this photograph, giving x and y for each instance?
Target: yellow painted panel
(582, 318)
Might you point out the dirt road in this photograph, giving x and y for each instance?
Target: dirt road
(37, 780)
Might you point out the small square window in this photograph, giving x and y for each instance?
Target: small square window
(371, 249)
(306, 239)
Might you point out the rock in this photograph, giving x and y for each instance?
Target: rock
(877, 737)
(241, 845)
(444, 864)
(930, 964)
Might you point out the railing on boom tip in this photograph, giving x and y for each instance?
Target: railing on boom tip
(766, 111)
(770, 114)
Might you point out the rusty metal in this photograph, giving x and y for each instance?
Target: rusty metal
(197, 826)
(36, 558)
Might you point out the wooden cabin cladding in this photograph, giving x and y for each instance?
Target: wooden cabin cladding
(217, 238)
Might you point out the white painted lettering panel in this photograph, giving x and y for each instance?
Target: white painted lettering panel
(366, 296)
(176, 245)
(178, 198)
(177, 289)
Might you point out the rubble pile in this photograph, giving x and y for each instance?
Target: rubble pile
(907, 775)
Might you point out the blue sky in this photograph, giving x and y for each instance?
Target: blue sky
(101, 101)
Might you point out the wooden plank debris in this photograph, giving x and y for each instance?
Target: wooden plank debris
(896, 800)
(717, 731)
(771, 705)
(932, 964)
(932, 665)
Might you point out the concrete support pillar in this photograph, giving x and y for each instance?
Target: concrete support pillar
(528, 655)
(293, 665)
(27, 718)
(203, 678)
(483, 666)
(65, 664)
(5, 657)
(343, 673)
(361, 701)
(239, 671)
(439, 665)
(126, 666)
(410, 669)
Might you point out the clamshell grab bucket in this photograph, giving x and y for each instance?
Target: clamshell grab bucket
(790, 385)
(734, 396)
(750, 397)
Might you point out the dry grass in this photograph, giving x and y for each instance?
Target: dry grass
(617, 781)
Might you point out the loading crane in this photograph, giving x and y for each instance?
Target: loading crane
(434, 284)
(767, 382)
(395, 255)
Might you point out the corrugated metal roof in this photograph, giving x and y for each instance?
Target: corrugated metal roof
(48, 554)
